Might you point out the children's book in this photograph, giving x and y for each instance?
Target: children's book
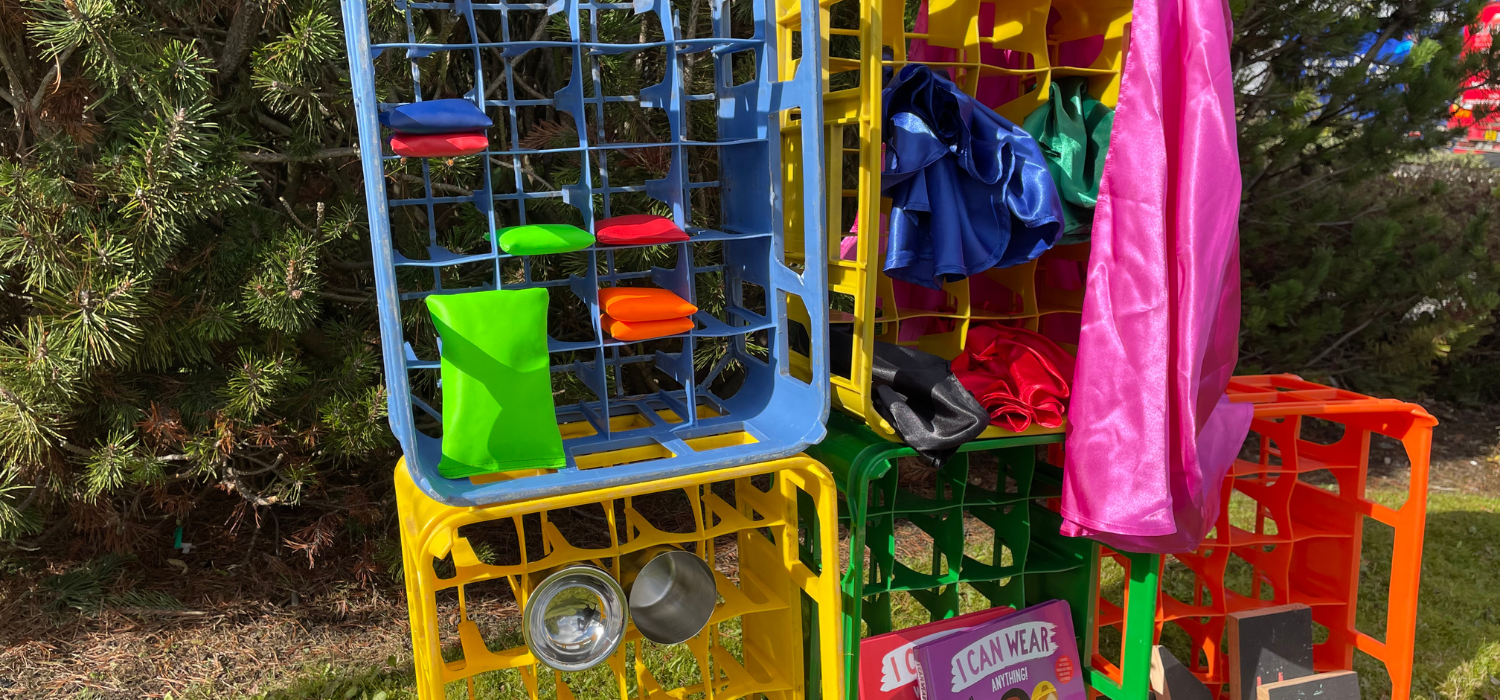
(888, 665)
(1030, 655)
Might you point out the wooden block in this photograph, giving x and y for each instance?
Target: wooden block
(1338, 685)
(1170, 680)
(1269, 645)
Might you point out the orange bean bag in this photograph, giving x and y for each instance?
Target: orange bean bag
(644, 330)
(636, 304)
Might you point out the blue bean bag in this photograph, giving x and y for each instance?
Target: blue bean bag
(436, 117)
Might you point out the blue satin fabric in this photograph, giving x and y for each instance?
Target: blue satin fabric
(969, 190)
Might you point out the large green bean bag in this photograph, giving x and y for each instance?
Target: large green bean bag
(497, 410)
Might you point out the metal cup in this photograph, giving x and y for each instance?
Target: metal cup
(575, 618)
(672, 593)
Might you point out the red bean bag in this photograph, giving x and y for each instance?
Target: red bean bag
(439, 145)
(638, 229)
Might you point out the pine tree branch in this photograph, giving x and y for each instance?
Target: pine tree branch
(436, 186)
(45, 537)
(264, 466)
(297, 219)
(14, 103)
(325, 154)
(541, 29)
(53, 74)
(351, 265)
(525, 169)
(70, 447)
(1341, 341)
(36, 492)
(341, 297)
(242, 29)
(236, 484)
(17, 86)
(276, 126)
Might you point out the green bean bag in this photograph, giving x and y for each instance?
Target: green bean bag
(543, 239)
(497, 410)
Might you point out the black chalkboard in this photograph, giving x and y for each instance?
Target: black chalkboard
(1268, 646)
(1170, 680)
(1338, 685)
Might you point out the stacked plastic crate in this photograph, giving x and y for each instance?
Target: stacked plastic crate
(712, 414)
(736, 253)
(1007, 54)
(1303, 475)
(980, 42)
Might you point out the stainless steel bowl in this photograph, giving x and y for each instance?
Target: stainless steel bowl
(575, 618)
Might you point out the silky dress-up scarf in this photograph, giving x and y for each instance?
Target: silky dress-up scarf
(969, 190)
(1073, 129)
(1020, 377)
(1152, 435)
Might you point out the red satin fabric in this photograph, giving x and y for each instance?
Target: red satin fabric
(1019, 376)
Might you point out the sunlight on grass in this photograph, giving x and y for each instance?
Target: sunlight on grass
(672, 666)
(1458, 629)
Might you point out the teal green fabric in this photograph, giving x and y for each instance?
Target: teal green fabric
(497, 410)
(1073, 130)
(543, 239)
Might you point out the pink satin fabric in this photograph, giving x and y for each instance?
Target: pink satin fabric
(1151, 436)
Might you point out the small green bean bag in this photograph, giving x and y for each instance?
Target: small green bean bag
(543, 239)
(497, 410)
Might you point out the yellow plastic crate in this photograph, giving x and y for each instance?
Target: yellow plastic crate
(864, 38)
(780, 516)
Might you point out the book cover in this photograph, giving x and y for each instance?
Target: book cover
(1030, 655)
(888, 662)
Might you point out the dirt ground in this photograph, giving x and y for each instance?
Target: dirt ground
(248, 624)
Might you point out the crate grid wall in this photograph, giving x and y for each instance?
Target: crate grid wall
(1304, 541)
(748, 404)
(1040, 41)
(761, 641)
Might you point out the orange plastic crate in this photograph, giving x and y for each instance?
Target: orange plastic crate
(1305, 542)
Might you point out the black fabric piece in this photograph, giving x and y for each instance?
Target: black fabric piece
(917, 393)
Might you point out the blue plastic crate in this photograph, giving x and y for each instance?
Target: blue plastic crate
(767, 125)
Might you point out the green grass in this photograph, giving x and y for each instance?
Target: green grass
(1458, 616)
(1458, 629)
(671, 666)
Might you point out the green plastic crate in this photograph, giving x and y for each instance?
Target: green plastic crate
(1042, 564)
